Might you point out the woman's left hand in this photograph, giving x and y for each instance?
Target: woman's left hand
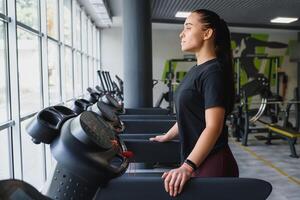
(176, 179)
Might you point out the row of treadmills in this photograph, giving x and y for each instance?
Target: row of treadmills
(96, 141)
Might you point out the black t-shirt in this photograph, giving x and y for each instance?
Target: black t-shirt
(203, 87)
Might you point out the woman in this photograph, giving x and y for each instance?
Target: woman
(203, 100)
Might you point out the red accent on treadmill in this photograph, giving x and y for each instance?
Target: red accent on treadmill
(127, 154)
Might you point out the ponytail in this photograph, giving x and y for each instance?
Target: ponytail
(223, 50)
(224, 53)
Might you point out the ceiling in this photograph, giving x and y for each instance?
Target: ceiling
(239, 13)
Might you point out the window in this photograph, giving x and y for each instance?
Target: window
(2, 6)
(65, 53)
(4, 155)
(90, 38)
(33, 158)
(91, 71)
(84, 33)
(29, 72)
(96, 79)
(67, 22)
(68, 73)
(3, 75)
(78, 28)
(98, 45)
(27, 13)
(78, 75)
(94, 42)
(85, 73)
(52, 18)
(53, 73)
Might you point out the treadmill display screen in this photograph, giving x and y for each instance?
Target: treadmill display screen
(97, 129)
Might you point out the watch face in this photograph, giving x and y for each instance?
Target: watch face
(107, 112)
(97, 129)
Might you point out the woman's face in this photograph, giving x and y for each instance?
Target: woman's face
(192, 35)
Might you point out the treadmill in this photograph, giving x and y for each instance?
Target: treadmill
(92, 161)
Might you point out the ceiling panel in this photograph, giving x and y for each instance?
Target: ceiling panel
(252, 13)
(241, 13)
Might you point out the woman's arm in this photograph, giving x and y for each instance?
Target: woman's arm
(214, 118)
(176, 178)
(171, 134)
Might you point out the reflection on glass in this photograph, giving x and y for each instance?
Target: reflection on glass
(98, 44)
(78, 75)
(94, 42)
(84, 33)
(29, 72)
(85, 73)
(2, 6)
(27, 12)
(91, 73)
(32, 156)
(3, 76)
(90, 38)
(67, 22)
(78, 28)
(96, 79)
(4, 155)
(68, 73)
(53, 73)
(52, 18)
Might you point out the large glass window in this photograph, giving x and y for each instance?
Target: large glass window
(84, 33)
(78, 75)
(33, 158)
(2, 6)
(78, 28)
(91, 70)
(68, 73)
(29, 72)
(53, 73)
(3, 75)
(95, 73)
(90, 38)
(94, 41)
(68, 22)
(4, 155)
(52, 18)
(98, 45)
(28, 13)
(85, 73)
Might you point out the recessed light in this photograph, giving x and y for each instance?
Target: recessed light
(284, 20)
(180, 14)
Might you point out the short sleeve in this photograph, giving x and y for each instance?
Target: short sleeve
(213, 90)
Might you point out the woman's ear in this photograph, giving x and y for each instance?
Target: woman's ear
(208, 33)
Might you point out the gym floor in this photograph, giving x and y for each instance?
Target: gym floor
(271, 163)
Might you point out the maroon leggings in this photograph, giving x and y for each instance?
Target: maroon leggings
(218, 164)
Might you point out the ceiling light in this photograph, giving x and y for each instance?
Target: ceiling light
(284, 20)
(182, 14)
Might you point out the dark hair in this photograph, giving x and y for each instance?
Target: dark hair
(222, 40)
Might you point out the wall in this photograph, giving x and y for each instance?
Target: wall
(166, 45)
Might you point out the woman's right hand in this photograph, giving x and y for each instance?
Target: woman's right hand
(159, 138)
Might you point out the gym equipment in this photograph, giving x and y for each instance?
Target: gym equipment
(150, 186)
(107, 83)
(239, 63)
(19, 190)
(170, 76)
(89, 154)
(260, 86)
(133, 124)
(149, 152)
